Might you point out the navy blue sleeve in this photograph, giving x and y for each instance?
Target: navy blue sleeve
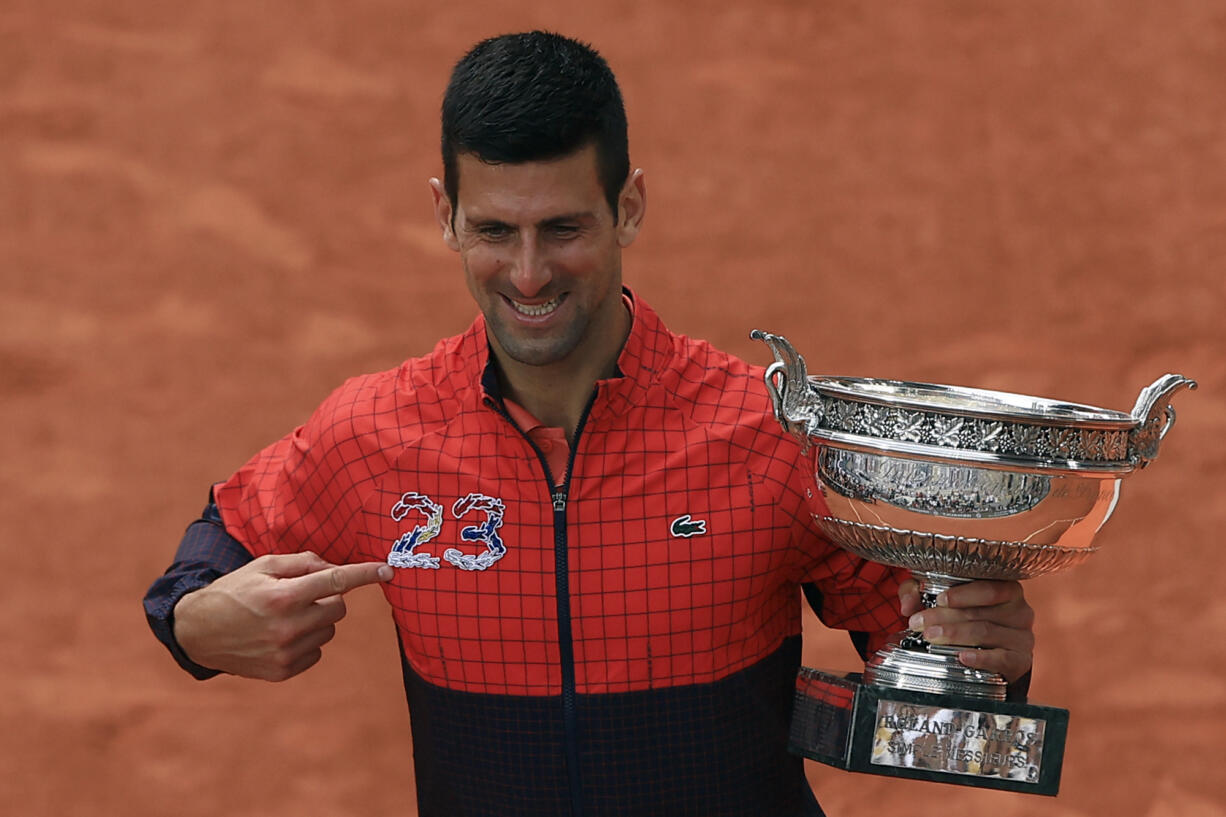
(1019, 689)
(205, 553)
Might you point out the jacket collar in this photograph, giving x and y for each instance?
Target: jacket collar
(648, 353)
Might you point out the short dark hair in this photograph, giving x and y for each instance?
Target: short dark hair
(535, 96)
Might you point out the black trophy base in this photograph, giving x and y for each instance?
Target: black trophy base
(841, 721)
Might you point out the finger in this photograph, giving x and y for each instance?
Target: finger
(1017, 615)
(323, 612)
(301, 665)
(293, 626)
(312, 641)
(909, 597)
(291, 565)
(1009, 664)
(339, 579)
(983, 593)
(980, 634)
(297, 656)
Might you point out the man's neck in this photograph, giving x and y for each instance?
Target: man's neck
(557, 394)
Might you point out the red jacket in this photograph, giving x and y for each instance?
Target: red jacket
(622, 642)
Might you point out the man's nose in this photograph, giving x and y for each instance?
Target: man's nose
(530, 268)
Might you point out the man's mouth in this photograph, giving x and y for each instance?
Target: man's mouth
(536, 310)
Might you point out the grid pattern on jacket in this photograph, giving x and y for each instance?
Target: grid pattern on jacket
(685, 639)
(685, 431)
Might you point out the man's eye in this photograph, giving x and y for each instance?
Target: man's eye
(564, 230)
(494, 231)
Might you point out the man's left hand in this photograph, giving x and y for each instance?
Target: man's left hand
(991, 615)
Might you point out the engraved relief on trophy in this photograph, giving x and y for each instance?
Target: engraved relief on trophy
(930, 487)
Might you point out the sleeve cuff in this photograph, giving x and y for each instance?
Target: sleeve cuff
(1019, 689)
(160, 612)
(206, 553)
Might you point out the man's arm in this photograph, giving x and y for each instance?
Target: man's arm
(218, 610)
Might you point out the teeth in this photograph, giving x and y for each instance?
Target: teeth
(536, 310)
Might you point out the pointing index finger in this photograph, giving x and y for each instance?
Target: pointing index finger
(336, 580)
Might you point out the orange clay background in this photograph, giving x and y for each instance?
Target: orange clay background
(212, 213)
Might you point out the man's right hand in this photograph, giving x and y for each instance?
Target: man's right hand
(270, 618)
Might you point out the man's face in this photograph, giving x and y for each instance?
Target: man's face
(542, 253)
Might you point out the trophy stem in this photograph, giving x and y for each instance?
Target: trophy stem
(909, 662)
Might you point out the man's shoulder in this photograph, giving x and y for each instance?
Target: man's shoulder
(412, 396)
(699, 353)
(706, 375)
(725, 396)
(672, 355)
(711, 387)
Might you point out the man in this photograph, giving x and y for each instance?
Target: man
(591, 531)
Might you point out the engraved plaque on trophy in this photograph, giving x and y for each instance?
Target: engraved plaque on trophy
(953, 484)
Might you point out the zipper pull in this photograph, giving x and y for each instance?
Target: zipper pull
(559, 501)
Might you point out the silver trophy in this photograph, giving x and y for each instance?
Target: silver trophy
(953, 484)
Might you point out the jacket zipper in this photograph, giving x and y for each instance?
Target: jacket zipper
(559, 496)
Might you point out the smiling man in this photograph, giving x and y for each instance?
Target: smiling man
(591, 531)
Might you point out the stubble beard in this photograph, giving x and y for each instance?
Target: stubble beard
(539, 351)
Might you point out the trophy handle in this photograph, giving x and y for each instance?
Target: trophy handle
(1154, 416)
(787, 381)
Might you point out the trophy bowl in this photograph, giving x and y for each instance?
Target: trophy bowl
(957, 484)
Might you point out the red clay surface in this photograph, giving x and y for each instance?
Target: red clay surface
(212, 213)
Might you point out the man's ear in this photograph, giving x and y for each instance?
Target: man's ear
(631, 207)
(444, 213)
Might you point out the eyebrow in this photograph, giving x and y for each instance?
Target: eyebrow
(581, 216)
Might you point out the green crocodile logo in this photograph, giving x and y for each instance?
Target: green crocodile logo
(685, 527)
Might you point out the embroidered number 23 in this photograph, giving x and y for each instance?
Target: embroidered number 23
(405, 552)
